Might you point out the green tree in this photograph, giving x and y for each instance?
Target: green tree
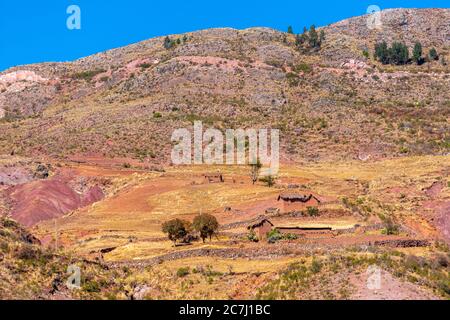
(206, 224)
(168, 43)
(176, 229)
(382, 52)
(417, 53)
(313, 37)
(290, 30)
(433, 54)
(398, 54)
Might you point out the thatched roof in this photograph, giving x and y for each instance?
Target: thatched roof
(295, 196)
(259, 223)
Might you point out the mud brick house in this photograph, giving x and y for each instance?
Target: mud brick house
(261, 228)
(291, 201)
(312, 232)
(213, 177)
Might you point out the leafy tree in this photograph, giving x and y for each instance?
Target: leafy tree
(206, 225)
(398, 54)
(433, 54)
(255, 169)
(176, 229)
(417, 53)
(290, 30)
(382, 52)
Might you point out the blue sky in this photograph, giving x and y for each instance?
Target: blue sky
(36, 31)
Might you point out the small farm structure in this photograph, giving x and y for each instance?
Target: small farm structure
(261, 228)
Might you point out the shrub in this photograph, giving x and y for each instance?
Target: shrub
(144, 66)
(293, 79)
(417, 53)
(268, 180)
(157, 115)
(312, 211)
(87, 75)
(390, 228)
(91, 286)
(433, 54)
(27, 252)
(290, 236)
(168, 43)
(316, 266)
(274, 235)
(182, 272)
(251, 236)
(303, 67)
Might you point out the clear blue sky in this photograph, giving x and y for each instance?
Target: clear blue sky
(35, 31)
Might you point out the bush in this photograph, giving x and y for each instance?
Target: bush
(433, 54)
(312, 211)
(251, 236)
(87, 75)
(274, 235)
(91, 286)
(182, 272)
(169, 43)
(144, 66)
(303, 67)
(268, 180)
(27, 252)
(292, 79)
(390, 228)
(157, 115)
(316, 266)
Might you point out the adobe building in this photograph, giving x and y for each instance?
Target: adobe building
(213, 177)
(261, 228)
(291, 201)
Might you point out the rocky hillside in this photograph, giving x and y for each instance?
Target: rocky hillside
(332, 103)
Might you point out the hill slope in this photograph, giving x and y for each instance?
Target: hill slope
(330, 104)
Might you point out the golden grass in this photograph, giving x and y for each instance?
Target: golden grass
(140, 202)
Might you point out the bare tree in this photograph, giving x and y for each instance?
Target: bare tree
(255, 169)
